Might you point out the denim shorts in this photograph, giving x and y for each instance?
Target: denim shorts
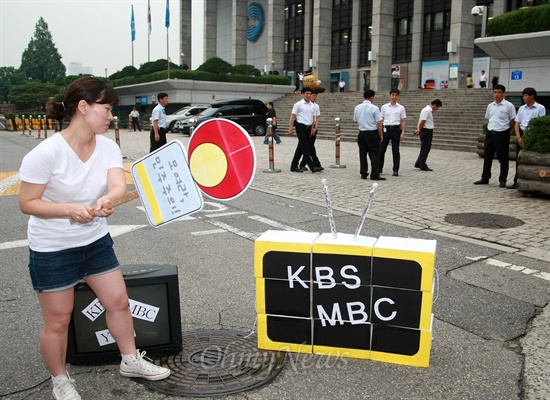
(59, 270)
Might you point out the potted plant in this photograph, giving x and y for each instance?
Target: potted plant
(534, 158)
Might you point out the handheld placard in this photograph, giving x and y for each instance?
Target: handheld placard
(329, 208)
(365, 211)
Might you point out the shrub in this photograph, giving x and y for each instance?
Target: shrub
(537, 137)
(216, 65)
(525, 20)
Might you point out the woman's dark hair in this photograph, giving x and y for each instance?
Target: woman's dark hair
(90, 89)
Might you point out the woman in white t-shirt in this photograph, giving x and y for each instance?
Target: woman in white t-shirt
(67, 182)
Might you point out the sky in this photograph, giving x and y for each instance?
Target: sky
(96, 33)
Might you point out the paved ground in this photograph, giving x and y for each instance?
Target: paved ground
(415, 198)
(421, 201)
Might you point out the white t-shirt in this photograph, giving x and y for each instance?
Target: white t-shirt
(500, 115)
(68, 180)
(304, 111)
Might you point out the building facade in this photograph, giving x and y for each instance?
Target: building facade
(360, 41)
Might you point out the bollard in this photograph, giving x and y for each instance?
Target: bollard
(22, 124)
(30, 125)
(39, 127)
(337, 144)
(45, 126)
(192, 122)
(271, 148)
(117, 135)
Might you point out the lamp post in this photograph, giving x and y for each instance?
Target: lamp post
(272, 65)
(105, 72)
(181, 60)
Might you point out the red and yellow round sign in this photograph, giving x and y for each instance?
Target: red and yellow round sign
(222, 158)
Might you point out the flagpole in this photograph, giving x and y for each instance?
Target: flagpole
(133, 32)
(149, 30)
(167, 24)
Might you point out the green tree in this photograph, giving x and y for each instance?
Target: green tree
(9, 76)
(126, 71)
(32, 95)
(216, 65)
(246, 69)
(155, 66)
(41, 61)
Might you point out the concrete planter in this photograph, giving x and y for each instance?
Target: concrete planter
(511, 151)
(534, 172)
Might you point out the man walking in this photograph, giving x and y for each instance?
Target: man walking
(273, 115)
(135, 119)
(368, 117)
(313, 135)
(158, 129)
(394, 122)
(531, 109)
(425, 128)
(501, 114)
(303, 117)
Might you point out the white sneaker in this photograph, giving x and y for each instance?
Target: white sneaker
(64, 389)
(132, 367)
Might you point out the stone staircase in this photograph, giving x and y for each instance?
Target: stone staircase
(457, 124)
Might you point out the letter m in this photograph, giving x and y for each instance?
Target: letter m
(336, 315)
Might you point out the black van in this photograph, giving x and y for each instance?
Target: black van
(248, 113)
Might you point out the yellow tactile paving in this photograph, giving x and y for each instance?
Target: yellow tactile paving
(13, 190)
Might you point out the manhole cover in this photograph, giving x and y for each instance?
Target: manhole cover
(218, 363)
(483, 220)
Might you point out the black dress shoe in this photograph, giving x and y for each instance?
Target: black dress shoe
(481, 182)
(295, 170)
(321, 168)
(364, 176)
(426, 168)
(395, 173)
(304, 168)
(512, 186)
(316, 169)
(417, 165)
(502, 185)
(379, 178)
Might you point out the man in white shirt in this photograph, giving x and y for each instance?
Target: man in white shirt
(394, 121)
(531, 109)
(501, 114)
(303, 117)
(425, 128)
(342, 85)
(158, 128)
(368, 117)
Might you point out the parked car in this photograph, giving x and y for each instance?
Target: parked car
(248, 113)
(182, 113)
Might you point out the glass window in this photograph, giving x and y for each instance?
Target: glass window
(286, 46)
(447, 19)
(299, 8)
(291, 48)
(427, 22)
(438, 21)
(410, 25)
(298, 45)
(335, 38)
(402, 27)
(345, 36)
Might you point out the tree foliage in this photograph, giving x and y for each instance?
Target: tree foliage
(33, 95)
(537, 137)
(41, 61)
(216, 65)
(155, 66)
(9, 76)
(246, 69)
(524, 20)
(129, 70)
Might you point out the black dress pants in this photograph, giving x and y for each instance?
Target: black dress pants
(498, 142)
(302, 150)
(369, 143)
(155, 145)
(426, 136)
(393, 135)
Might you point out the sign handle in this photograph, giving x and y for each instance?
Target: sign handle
(125, 198)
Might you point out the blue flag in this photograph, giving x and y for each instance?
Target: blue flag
(167, 22)
(133, 25)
